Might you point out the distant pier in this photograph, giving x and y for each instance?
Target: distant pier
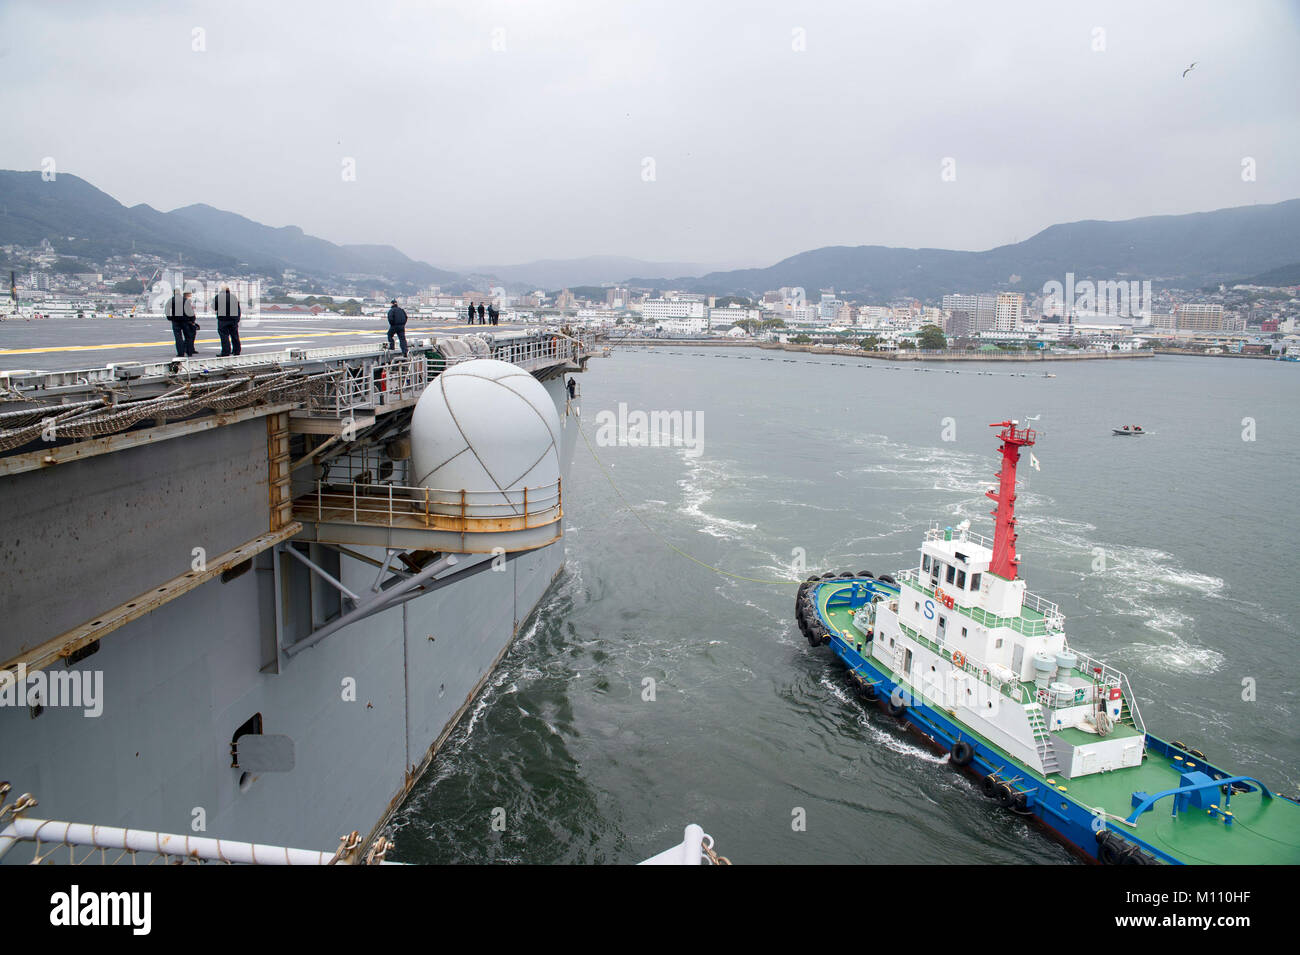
(1035, 356)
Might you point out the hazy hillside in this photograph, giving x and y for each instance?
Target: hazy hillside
(1188, 250)
(79, 219)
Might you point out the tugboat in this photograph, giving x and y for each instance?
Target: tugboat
(960, 652)
(1129, 430)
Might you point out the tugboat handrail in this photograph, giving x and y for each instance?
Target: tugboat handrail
(1012, 691)
(937, 533)
(1053, 619)
(1107, 675)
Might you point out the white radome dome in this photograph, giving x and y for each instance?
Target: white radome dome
(489, 428)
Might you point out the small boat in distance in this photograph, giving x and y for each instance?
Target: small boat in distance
(1128, 430)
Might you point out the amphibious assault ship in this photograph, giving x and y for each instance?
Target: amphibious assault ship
(249, 597)
(959, 651)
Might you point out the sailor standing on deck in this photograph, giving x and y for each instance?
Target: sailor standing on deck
(180, 312)
(397, 325)
(226, 305)
(471, 313)
(480, 314)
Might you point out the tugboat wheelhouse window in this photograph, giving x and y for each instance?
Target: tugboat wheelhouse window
(951, 572)
(925, 563)
(974, 581)
(961, 580)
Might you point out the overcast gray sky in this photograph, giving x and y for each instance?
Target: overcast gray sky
(504, 132)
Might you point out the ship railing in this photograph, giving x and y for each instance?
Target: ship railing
(538, 350)
(71, 843)
(349, 388)
(1051, 612)
(462, 511)
(939, 532)
(1011, 689)
(1107, 676)
(1030, 628)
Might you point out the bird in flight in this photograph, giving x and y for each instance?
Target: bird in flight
(1188, 70)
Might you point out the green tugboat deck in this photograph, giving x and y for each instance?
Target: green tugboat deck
(1263, 830)
(1245, 828)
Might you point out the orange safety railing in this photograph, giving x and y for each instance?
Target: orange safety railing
(463, 511)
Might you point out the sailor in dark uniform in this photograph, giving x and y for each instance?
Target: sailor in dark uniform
(397, 325)
(226, 305)
(180, 312)
(471, 313)
(480, 314)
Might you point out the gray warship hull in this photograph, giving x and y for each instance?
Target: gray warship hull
(237, 700)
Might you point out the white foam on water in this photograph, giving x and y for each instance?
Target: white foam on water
(702, 478)
(878, 735)
(1178, 656)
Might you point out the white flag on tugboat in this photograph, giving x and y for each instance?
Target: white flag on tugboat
(1033, 462)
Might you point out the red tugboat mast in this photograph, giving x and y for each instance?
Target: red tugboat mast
(1004, 562)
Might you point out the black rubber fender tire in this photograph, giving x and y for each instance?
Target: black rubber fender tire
(867, 574)
(828, 576)
(847, 574)
(868, 692)
(1110, 852)
(1020, 804)
(989, 786)
(817, 635)
(1198, 754)
(1006, 796)
(962, 753)
(1132, 856)
(886, 579)
(895, 709)
(811, 580)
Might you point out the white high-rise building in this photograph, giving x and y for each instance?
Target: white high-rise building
(1008, 311)
(663, 309)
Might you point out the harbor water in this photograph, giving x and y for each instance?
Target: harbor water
(664, 680)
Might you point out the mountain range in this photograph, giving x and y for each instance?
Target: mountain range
(80, 220)
(1187, 251)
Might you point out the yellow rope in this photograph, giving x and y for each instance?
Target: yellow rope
(667, 543)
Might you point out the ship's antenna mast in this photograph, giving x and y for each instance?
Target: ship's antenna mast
(1004, 562)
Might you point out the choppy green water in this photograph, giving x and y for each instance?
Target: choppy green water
(846, 461)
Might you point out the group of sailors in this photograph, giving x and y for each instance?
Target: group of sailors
(185, 327)
(493, 316)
